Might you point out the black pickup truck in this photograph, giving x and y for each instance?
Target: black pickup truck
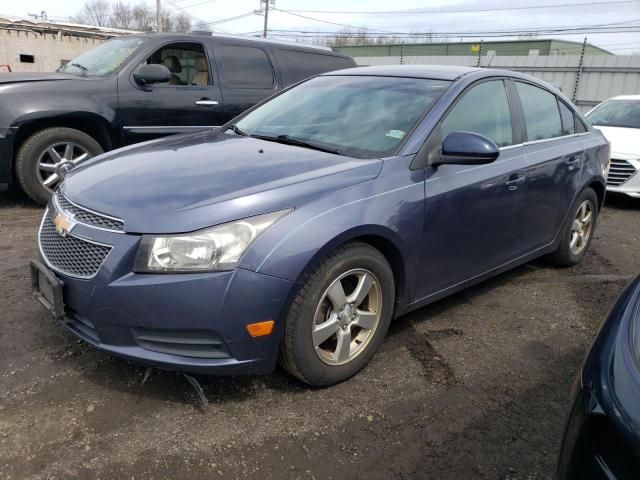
(138, 87)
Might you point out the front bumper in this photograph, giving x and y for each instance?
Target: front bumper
(125, 313)
(7, 136)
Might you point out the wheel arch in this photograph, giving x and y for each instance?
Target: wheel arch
(92, 124)
(600, 189)
(379, 237)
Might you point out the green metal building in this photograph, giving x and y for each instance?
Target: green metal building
(501, 48)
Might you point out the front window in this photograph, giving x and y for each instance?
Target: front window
(364, 117)
(617, 113)
(103, 59)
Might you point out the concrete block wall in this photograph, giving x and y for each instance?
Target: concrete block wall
(47, 49)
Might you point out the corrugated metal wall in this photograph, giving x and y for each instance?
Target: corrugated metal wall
(601, 76)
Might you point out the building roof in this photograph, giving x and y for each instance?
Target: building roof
(12, 22)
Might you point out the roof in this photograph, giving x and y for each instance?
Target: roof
(249, 38)
(435, 72)
(33, 24)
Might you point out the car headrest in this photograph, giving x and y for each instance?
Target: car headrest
(201, 64)
(173, 64)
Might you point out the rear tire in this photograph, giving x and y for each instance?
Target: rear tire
(354, 327)
(578, 231)
(34, 154)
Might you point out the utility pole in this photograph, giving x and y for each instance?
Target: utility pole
(158, 16)
(266, 14)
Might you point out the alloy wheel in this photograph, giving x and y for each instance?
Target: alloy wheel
(347, 317)
(56, 155)
(581, 227)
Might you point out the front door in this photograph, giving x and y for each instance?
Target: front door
(191, 100)
(472, 214)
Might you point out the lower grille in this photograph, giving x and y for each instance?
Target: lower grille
(186, 343)
(619, 172)
(70, 255)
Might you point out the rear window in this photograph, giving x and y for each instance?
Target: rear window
(245, 67)
(302, 65)
(541, 114)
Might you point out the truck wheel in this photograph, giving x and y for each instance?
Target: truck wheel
(42, 152)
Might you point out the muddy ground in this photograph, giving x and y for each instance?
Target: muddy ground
(474, 386)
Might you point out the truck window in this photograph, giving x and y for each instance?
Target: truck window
(245, 67)
(303, 65)
(187, 63)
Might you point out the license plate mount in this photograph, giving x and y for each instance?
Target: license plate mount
(47, 288)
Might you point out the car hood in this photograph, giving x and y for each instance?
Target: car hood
(33, 77)
(623, 140)
(188, 182)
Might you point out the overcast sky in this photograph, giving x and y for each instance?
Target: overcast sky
(606, 12)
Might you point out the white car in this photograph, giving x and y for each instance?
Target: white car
(619, 120)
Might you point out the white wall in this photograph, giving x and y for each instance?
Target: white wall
(48, 49)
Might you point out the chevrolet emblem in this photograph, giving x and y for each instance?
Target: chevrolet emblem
(63, 224)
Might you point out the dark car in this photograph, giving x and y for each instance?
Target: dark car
(602, 437)
(137, 87)
(303, 227)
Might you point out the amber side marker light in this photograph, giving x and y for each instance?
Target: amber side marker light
(260, 329)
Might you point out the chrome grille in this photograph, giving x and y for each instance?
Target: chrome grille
(88, 217)
(70, 255)
(619, 172)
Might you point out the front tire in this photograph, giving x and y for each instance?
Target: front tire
(42, 152)
(340, 317)
(577, 233)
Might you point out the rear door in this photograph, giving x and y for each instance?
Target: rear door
(555, 155)
(247, 75)
(191, 100)
(473, 221)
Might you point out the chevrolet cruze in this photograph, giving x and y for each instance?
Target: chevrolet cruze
(299, 230)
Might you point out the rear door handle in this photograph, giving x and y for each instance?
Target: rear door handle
(574, 161)
(205, 102)
(514, 183)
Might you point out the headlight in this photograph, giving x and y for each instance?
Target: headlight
(212, 249)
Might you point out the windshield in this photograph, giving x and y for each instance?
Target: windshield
(364, 117)
(617, 113)
(103, 59)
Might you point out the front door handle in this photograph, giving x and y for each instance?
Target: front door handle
(205, 102)
(514, 183)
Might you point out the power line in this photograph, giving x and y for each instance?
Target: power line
(433, 12)
(289, 12)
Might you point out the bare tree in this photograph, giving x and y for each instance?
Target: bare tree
(121, 15)
(143, 17)
(96, 12)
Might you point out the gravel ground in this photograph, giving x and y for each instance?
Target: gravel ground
(474, 386)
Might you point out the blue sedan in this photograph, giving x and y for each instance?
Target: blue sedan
(602, 436)
(299, 230)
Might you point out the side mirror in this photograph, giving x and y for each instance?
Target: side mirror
(152, 73)
(467, 148)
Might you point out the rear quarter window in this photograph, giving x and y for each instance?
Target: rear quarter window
(568, 122)
(245, 67)
(301, 65)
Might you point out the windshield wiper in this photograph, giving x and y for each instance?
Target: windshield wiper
(80, 66)
(287, 140)
(237, 131)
